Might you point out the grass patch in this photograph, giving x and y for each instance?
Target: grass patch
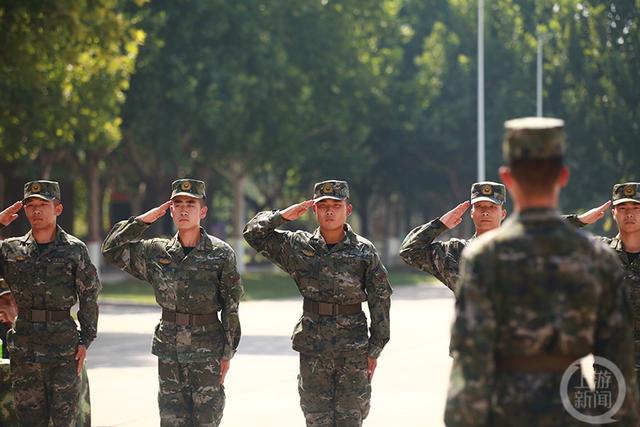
(257, 286)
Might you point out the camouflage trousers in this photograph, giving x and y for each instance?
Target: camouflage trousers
(190, 394)
(44, 391)
(530, 399)
(334, 392)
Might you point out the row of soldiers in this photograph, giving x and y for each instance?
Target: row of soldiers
(194, 277)
(532, 295)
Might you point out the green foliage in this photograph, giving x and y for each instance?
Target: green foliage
(64, 67)
(379, 92)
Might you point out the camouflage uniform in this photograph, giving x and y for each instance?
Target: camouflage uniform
(631, 268)
(333, 383)
(8, 416)
(201, 283)
(44, 339)
(533, 296)
(442, 258)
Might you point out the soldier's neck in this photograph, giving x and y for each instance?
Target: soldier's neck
(630, 241)
(523, 199)
(331, 237)
(44, 235)
(189, 238)
(548, 201)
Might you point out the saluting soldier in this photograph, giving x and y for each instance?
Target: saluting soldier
(626, 214)
(194, 276)
(47, 271)
(442, 258)
(335, 270)
(535, 295)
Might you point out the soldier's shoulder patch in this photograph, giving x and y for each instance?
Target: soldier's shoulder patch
(308, 252)
(164, 261)
(20, 258)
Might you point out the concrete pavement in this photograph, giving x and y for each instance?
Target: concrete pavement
(409, 386)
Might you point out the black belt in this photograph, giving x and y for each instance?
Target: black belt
(186, 319)
(535, 364)
(45, 315)
(329, 309)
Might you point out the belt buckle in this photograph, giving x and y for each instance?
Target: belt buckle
(183, 319)
(326, 309)
(38, 315)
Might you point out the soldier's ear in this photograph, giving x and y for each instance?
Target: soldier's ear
(203, 211)
(563, 177)
(504, 213)
(505, 176)
(349, 209)
(58, 208)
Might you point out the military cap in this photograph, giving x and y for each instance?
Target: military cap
(47, 190)
(188, 187)
(535, 138)
(488, 191)
(626, 192)
(332, 189)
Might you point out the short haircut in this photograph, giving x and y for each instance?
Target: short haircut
(536, 176)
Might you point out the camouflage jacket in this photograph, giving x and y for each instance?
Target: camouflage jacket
(348, 273)
(55, 279)
(441, 258)
(203, 282)
(631, 277)
(535, 286)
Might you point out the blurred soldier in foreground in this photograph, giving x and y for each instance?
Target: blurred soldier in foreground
(336, 271)
(535, 295)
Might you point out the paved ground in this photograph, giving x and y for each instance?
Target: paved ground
(409, 386)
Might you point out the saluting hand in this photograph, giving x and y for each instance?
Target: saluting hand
(152, 216)
(294, 212)
(10, 214)
(593, 215)
(454, 217)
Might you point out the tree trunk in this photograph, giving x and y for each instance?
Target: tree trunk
(239, 180)
(92, 174)
(93, 193)
(363, 212)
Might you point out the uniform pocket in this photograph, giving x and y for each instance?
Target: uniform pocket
(19, 346)
(304, 337)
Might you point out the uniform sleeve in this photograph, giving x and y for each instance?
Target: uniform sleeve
(573, 220)
(262, 235)
(124, 249)
(420, 251)
(231, 292)
(379, 293)
(614, 337)
(88, 287)
(472, 343)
